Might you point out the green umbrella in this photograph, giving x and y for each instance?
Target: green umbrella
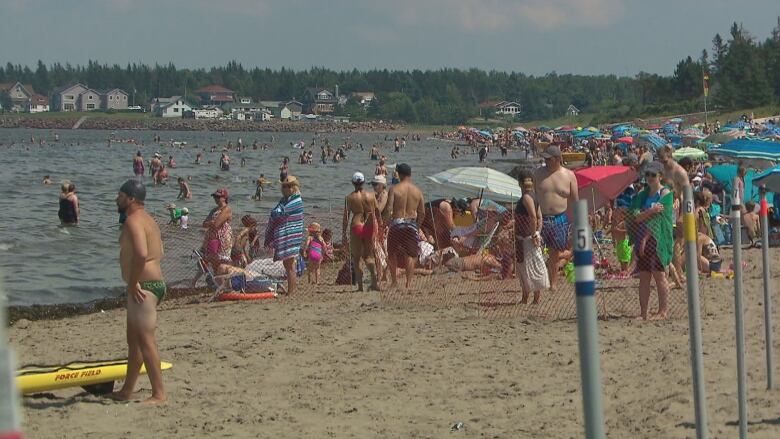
(692, 153)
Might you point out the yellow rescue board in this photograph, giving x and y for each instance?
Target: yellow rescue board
(35, 379)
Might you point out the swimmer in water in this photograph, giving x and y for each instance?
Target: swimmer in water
(138, 165)
(184, 190)
(261, 182)
(46, 180)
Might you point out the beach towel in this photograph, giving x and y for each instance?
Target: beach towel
(659, 226)
(533, 271)
(285, 229)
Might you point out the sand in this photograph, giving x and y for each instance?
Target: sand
(361, 365)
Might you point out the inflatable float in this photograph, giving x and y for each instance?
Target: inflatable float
(235, 295)
(96, 377)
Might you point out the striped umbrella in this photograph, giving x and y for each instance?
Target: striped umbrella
(471, 181)
(651, 140)
(769, 178)
(749, 149)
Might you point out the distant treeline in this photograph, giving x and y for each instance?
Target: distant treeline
(743, 73)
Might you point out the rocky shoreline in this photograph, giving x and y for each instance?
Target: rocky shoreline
(160, 124)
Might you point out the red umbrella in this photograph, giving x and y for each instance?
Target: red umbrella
(627, 139)
(601, 184)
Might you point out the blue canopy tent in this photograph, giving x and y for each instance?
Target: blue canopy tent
(725, 175)
(749, 149)
(584, 134)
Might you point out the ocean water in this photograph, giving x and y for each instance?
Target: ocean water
(43, 263)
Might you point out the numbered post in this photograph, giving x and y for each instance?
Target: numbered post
(736, 236)
(694, 319)
(587, 329)
(10, 420)
(764, 214)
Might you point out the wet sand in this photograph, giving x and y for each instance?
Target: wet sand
(368, 365)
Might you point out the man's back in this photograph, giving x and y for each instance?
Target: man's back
(406, 200)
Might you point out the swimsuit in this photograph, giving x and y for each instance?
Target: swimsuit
(555, 231)
(363, 231)
(315, 251)
(403, 238)
(67, 212)
(156, 287)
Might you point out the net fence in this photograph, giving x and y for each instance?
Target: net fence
(478, 261)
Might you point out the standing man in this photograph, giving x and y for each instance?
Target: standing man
(556, 189)
(140, 253)
(673, 172)
(405, 211)
(363, 207)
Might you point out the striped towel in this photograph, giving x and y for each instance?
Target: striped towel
(285, 230)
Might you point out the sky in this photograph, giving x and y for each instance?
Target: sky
(621, 37)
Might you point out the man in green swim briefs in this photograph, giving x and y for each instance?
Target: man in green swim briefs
(140, 253)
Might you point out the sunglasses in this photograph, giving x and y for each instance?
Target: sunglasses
(651, 174)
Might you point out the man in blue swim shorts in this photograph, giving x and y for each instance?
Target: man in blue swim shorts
(556, 189)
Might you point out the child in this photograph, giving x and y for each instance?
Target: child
(327, 239)
(185, 218)
(620, 239)
(174, 213)
(751, 222)
(314, 250)
(239, 253)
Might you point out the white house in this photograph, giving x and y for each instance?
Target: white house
(159, 102)
(37, 104)
(172, 109)
(572, 110)
(508, 108)
(207, 113)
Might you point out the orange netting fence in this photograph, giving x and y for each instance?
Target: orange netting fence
(477, 265)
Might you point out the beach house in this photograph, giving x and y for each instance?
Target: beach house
(319, 100)
(175, 108)
(15, 95)
(572, 110)
(114, 99)
(215, 95)
(500, 108)
(364, 98)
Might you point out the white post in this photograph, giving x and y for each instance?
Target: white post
(764, 214)
(736, 237)
(10, 418)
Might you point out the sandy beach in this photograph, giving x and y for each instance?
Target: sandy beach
(360, 365)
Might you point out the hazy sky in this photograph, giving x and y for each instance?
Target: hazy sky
(532, 36)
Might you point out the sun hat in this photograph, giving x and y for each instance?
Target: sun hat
(291, 180)
(379, 179)
(358, 178)
(221, 193)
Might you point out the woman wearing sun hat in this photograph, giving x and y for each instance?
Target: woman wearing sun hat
(284, 233)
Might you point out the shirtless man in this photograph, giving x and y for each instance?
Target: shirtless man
(260, 184)
(140, 253)
(556, 188)
(362, 205)
(405, 213)
(673, 172)
(155, 166)
(381, 169)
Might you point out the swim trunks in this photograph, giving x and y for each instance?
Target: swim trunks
(403, 238)
(555, 231)
(157, 287)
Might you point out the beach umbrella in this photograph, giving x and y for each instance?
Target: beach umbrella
(651, 140)
(724, 136)
(724, 174)
(627, 140)
(692, 153)
(543, 128)
(601, 184)
(522, 129)
(585, 134)
(676, 120)
(769, 178)
(749, 149)
(471, 181)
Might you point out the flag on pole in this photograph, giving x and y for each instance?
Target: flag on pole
(706, 83)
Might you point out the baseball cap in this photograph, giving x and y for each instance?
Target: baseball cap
(221, 192)
(552, 151)
(358, 177)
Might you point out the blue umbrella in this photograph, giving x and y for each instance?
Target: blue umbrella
(749, 149)
(584, 134)
(769, 178)
(652, 140)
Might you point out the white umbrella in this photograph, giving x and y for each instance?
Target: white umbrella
(471, 181)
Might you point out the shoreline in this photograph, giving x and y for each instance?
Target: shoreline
(115, 123)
